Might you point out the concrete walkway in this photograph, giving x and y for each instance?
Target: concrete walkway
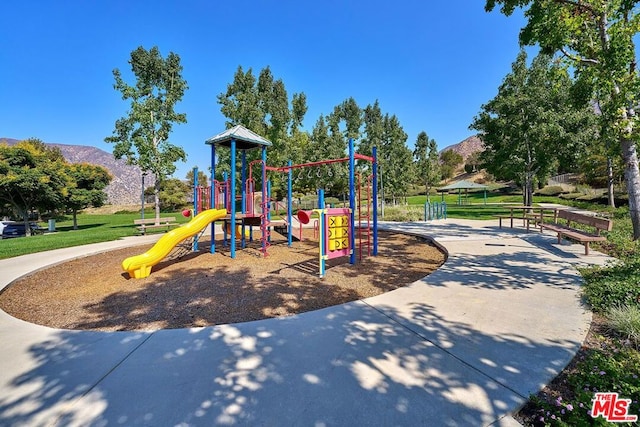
(465, 346)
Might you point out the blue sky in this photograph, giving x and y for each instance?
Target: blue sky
(431, 63)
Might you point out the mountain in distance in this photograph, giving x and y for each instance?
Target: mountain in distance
(125, 187)
(467, 147)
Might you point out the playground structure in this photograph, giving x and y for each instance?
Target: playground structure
(255, 207)
(337, 226)
(139, 266)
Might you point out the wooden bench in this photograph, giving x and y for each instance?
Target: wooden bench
(501, 217)
(150, 223)
(584, 237)
(538, 218)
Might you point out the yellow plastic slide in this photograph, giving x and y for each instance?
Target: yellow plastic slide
(139, 266)
(238, 231)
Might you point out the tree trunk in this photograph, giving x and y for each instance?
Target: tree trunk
(632, 179)
(75, 219)
(27, 226)
(527, 190)
(610, 195)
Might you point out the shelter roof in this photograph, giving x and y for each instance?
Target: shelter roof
(462, 185)
(245, 139)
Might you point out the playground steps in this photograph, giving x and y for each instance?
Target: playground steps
(281, 229)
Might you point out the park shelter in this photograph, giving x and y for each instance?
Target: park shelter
(466, 186)
(245, 139)
(240, 138)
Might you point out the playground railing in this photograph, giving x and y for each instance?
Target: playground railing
(435, 210)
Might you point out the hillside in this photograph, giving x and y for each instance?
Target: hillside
(124, 189)
(466, 147)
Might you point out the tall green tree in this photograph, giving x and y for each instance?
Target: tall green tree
(449, 162)
(262, 105)
(321, 145)
(596, 38)
(395, 159)
(532, 122)
(203, 179)
(426, 161)
(344, 123)
(142, 135)
(86, 189)
(173, 194)
(373, 121)
(32, 177)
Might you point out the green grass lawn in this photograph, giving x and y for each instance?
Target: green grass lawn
(91, 229)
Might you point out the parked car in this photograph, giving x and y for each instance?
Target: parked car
(2, 224)
(16, 229)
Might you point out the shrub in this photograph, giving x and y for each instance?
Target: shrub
(612, 366)
(570, 196)
(550, 190)
(334, 202)
(625, 320)
(403, 213)
(609, 287)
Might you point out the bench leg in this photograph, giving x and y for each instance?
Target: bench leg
(500, 222)
(512, 221)
(559, 238)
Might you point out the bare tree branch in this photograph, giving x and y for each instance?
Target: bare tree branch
(586, 61)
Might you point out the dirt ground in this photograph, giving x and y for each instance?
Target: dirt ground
(201, 289)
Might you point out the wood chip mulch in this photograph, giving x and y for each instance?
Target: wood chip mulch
(201, 289)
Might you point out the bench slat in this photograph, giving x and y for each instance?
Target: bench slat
(150, 223)
(581, 236)
(153, 220)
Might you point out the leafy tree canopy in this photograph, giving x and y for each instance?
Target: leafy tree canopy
(596, 38)
(427, 162)
(32, 177)
(89, 182)
(142, 135)
(532, 123)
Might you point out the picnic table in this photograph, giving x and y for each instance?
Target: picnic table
(528, 214)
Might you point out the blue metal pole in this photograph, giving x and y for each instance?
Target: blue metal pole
(374, 153)
(289, 204)
(232, 191)
(195, 204)
(352, 201)
(212, 202)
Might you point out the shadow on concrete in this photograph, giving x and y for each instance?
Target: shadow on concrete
(346, 365)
